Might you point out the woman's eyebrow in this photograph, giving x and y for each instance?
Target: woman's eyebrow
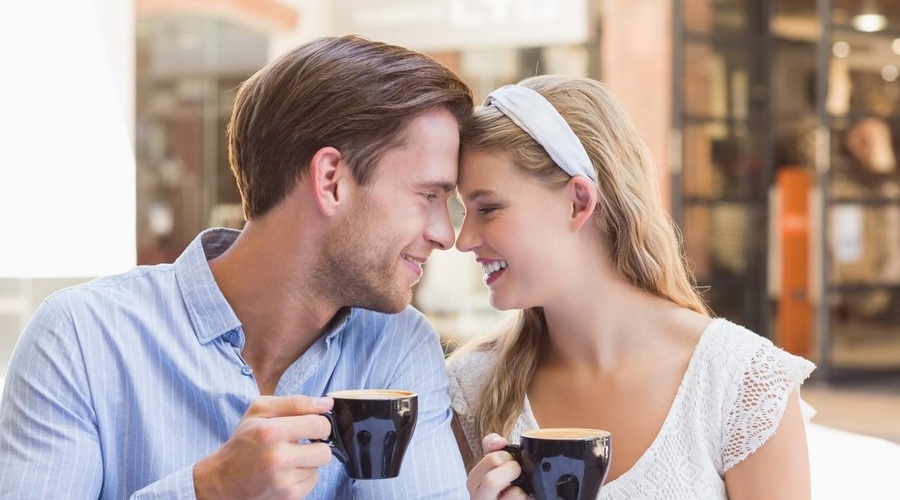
(479, 193)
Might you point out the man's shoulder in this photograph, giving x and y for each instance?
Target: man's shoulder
(402, 333)
(140, 279)
(99, 300)
(409, 321)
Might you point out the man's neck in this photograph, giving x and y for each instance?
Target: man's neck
(281, 317)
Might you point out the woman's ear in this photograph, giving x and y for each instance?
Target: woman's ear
(582, 194)
(329, 176)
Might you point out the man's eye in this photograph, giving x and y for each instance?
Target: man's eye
(429, 196)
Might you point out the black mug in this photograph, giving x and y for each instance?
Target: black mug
(562, 464)
(370, 430)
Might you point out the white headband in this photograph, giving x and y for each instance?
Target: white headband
(534, 114)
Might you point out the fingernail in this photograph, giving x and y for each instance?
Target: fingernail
(322, 402)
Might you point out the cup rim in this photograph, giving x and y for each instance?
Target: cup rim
(589, 434)
(400, 394)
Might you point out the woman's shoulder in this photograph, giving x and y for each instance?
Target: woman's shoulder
(469, 372)
(471, 367)
(757, 379)
(738, 350)
(724, 334)
(738, 383)
(738, 368)
(732, 362)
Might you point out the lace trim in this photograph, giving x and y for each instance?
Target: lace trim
(770, 379)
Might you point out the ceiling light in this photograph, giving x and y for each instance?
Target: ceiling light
(868, 18)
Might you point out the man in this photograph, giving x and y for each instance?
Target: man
(185, 380)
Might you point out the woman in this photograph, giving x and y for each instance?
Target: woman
(564, 214)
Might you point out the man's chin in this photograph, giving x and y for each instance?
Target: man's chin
(388, 305)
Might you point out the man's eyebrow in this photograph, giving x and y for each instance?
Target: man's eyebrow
(443, 186)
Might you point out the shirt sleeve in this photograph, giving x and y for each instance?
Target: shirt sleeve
(432, 467)
(177, 486)
(49, 444)
(769, 377)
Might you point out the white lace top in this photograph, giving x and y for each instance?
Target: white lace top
(729, 403)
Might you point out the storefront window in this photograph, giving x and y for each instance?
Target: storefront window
(188, 70)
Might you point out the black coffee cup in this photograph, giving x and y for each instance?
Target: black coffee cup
(370, 430)
(563, 464)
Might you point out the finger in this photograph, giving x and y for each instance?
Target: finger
(493, 442)
(497, 481)
(304, 482)
(310, 456)
(513, 493)
(484, 466)
(302, 427)
(282, 406)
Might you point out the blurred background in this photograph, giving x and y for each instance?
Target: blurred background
(774, 125)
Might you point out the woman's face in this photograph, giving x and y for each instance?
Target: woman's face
(516, 226)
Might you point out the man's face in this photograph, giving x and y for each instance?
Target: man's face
(374, 259)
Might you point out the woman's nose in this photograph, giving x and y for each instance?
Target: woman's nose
(466, 241)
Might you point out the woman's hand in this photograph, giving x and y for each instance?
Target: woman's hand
(490, 478)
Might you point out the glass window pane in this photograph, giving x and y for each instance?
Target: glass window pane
(705, 16)
(718, 81)
(187, 72)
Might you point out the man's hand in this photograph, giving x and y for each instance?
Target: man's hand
(263, 458)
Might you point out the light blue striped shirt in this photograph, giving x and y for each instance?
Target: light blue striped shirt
(117, 387)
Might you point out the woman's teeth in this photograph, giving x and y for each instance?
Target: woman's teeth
(492, 267)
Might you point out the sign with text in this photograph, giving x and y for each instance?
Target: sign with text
(443, 25)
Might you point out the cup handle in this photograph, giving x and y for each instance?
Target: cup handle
(333, 441)
(516, 451)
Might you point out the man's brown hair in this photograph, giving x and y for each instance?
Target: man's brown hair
(350, 93)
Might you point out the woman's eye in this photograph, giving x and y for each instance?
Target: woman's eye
(486, 210)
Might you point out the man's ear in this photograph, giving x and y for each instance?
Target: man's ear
(330, 177)
(582, 194)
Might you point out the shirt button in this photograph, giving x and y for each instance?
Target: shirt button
(246, 370)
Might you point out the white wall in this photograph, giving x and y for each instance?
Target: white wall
(19, 297)
(315, 21)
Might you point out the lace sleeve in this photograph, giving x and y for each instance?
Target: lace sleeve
(467, 378)
(769, 379)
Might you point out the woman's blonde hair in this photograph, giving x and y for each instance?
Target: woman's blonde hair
(640, 235)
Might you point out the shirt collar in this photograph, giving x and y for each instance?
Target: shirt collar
(339, 323)
(210, 313)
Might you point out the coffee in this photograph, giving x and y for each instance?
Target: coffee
(370, 430)
(370, 394)
(565, 433)
(563, 463)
